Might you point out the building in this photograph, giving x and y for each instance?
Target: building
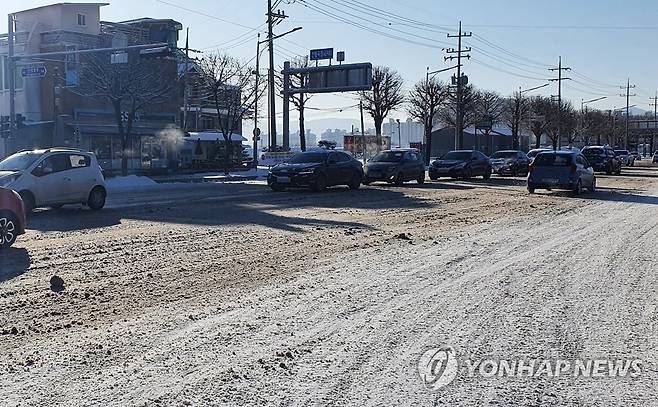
(500, 138)
(55, 106)
(410, 132)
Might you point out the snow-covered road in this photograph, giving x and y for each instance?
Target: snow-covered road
(306, 299)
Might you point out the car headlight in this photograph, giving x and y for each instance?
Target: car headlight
(6, 181)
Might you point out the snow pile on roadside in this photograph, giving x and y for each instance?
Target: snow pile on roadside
(129, 182)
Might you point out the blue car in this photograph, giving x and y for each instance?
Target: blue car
(561, 170)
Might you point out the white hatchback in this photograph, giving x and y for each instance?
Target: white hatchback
(55, 177)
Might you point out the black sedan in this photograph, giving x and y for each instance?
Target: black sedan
(396, 167)
(316, 170)
(461, 164)
(510, 162)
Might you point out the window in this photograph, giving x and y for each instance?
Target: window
(82, 19)
(344, 158)
(79, 161)
(53, 164)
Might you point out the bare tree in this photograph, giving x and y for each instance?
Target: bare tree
(539, 107)
(515, 114)
(469, 112)
(231, 88)
(385, 96)
(132, 88)
(424, 102)
(489, 107)
(560, 122)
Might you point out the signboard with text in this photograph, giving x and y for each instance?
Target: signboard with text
(321, 54)
(34, 71)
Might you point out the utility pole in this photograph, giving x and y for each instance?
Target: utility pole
(272, 19)
(655, 120)
(559, 80)
(628, 95)
(256, 129)
(459, 128)
(186, 106)
(10, 144)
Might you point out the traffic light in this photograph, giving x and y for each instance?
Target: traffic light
(4, 126)
(20, 121)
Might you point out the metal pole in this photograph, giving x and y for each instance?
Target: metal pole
(185, 84)
(286, 106)
(363, 133)
(399, 134)
(255, 152)
(559, 104)
(10, 145)
(270, 79)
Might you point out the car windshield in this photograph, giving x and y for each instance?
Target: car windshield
(19, 161)
(307, 158)
(457, 156)
(593, 151)
(388, 157)
(621, 152)
(552, 160)
(505, 154)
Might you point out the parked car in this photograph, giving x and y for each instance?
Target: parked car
(533, 153)
(603, 159)
(395, 167)
(561, 170)
(317, 169)
(510, 162)
(636, 155)
(12, 217)
(461, 164)
(625, 157)
(55, 177)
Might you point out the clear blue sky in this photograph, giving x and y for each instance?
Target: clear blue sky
(605, 42)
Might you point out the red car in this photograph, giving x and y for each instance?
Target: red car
(12, 217)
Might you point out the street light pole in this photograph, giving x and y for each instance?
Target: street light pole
(399, 134)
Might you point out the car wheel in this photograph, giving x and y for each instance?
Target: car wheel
(277, 187)
(433, 177)
(487, 174)
(608, 169)
(367, 181)
(28, 201)
(618, 172)
(399, 179)
(8, 229)
(515, 172)
(320, 184)
(592, 187)
(421, 178)
(356, 181)
(97, 198)
(468, 174)
(531, 190)
(578, 189)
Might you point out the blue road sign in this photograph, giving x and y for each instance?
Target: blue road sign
(34, 71)
(320, 54)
